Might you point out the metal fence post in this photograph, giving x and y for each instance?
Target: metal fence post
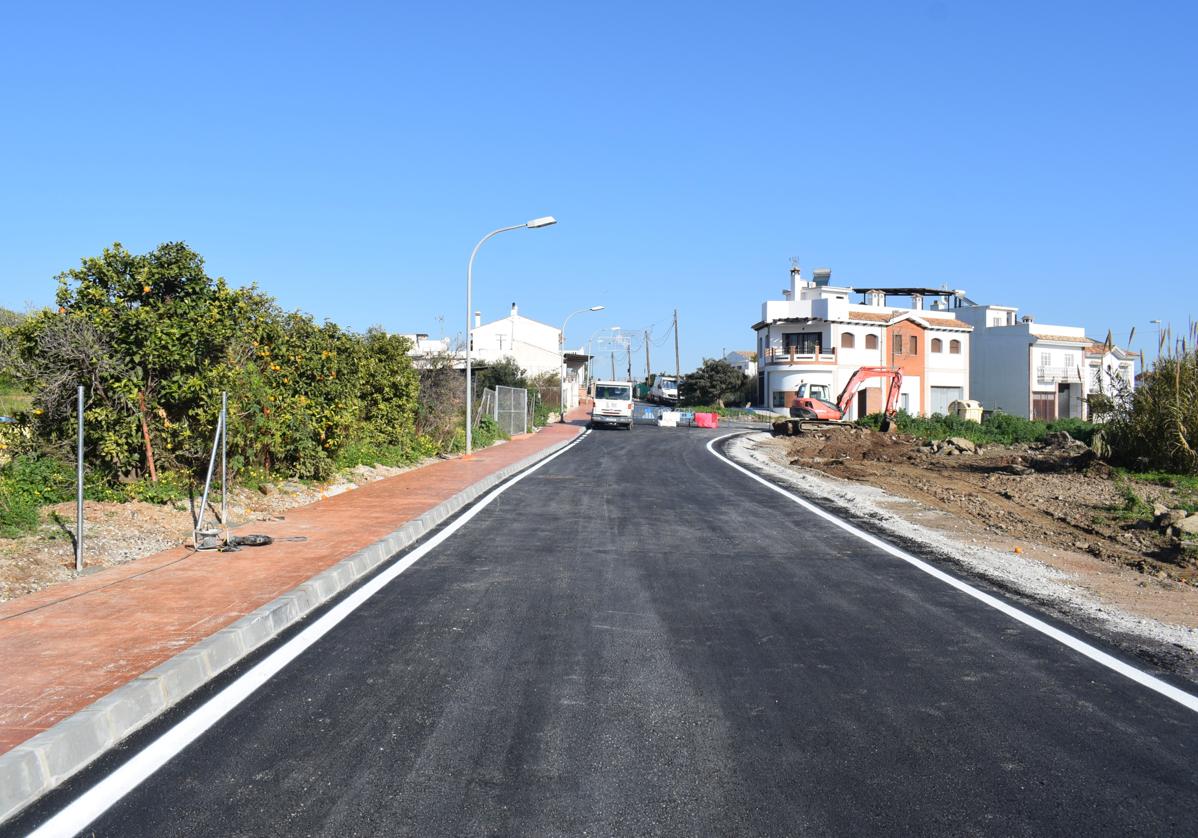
(224, 447)
(79, 484)
(208, 481)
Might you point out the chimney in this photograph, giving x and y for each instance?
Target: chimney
(515, 310)
(821, 276)
(1027, 318)
(478, 319)
(917, 301)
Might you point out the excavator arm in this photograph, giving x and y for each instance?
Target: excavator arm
(864, 374)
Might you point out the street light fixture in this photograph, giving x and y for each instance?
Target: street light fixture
(536, 223)
(561, 354)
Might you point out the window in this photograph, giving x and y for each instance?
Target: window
(913, 345)
(898, 344)
(847, 341)
(803, 343)
(779, 398)
(937, 345)
(871, 341)
(1046, 359)
(954, 347)
(614, 392)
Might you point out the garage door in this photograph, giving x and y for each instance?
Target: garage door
(942, 397)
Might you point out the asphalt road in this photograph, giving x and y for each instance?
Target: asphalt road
(638, 639)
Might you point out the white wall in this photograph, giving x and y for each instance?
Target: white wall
(534, 345)
(999, 370)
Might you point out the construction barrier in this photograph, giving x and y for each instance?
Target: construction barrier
(707, 420)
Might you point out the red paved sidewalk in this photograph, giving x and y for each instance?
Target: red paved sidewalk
(65, 647)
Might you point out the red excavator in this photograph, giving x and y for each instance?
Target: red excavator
(808, 408)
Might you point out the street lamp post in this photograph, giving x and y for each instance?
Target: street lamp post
(532, 225)
(561, 353)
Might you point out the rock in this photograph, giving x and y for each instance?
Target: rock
(1019, 469)
(963, 445)
(1081, 545)
(1099, 446)
(1159, 509)
(1060, 439)
(292, 487)
(1188, 525)
(267, 489)
(1170, 518)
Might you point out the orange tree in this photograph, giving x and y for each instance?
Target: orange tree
(155, 340)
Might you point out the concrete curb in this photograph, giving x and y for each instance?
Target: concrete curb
(39, 765)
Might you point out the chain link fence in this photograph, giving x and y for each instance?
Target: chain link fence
(511, 409)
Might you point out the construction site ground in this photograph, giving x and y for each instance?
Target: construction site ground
(1052, 515)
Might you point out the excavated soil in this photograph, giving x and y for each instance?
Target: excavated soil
(1063, 498)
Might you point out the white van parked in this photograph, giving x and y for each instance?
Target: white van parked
(613, 404)
(664, 389)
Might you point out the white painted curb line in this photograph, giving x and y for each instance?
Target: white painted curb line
(37, 766)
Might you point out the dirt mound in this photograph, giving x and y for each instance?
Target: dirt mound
(1055, 493)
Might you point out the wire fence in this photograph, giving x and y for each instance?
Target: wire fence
(511, 409)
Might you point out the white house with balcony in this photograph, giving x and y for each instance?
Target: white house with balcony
(819, 334)
(1037, 370)
(535, 346)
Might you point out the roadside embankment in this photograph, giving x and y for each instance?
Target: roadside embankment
(1054, 537)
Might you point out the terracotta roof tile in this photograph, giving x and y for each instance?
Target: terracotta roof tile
(1061, 338)
(888, 317)
(948, 323)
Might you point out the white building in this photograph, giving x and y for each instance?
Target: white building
(1039, 371)
(744, 360)
(425, 348)
(535, 346)
(818, 335)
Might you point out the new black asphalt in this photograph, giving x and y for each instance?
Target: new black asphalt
(638, 639)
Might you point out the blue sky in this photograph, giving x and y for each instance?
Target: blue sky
(346, 157)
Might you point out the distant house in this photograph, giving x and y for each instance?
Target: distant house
(424, 349)
(1040, 371)
(819, 336)
(535, 346)
(744, 360)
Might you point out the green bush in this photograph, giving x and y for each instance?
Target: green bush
(171, 486)
(410, 450)
(486, 433)
(155, 340)
(27, 483)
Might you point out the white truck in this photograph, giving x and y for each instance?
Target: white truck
(664, 390)
(613, 404)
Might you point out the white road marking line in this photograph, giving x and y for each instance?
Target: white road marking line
(1097, 655)
(99, 798)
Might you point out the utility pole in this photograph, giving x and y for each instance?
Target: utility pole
(613, 365)
(648, 369)
(677, 362)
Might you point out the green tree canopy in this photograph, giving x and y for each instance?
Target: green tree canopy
(715, 382)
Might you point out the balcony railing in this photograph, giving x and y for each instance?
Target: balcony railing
(1058, 375)
(793, 356)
